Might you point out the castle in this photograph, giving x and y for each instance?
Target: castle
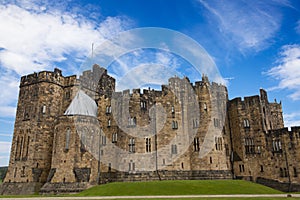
(72, 133)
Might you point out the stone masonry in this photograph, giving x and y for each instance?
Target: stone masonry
(183, 131)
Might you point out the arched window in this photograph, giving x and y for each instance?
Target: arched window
(83, 139)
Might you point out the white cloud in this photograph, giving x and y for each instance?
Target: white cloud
(33, 41)
(248, 24)
(4, 146)
(37, 36)
(287, 70)
(291, 119)
(4, 153)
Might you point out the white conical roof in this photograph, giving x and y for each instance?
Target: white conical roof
(82, 104)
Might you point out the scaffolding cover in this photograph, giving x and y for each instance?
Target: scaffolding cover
(82, 104)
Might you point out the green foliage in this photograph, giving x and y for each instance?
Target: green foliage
(178, 188)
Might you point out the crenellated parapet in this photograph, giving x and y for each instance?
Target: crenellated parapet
(55, 77)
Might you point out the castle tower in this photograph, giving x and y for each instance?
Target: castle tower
(251, 120)
(75, 160)
(40, 101)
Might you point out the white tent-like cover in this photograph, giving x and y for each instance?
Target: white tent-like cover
(82, 104)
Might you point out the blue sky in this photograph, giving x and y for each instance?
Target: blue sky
(255, 44)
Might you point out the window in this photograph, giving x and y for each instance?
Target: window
(67, 139)
(242, 168)
(246, 123)
(218, 143)
(196, 123)
(148, 144)
(67, 95)
(27, 112)
(205, 106)
(131, 145)
(83, 140)
(258, 150)
(43, 109)
(295, 172)
(249, 146)
(196, 144)
(114, 138)
(261, 168)
(210, 160)
(174, 125)
(132, 121)
(276, 145)
(143, 105)
(131, 166)
(108, 109)
(173, 111)
(103, 139)
(174, 149)
(227, 150)
(23, 171)
(216, 122)
(109, 123)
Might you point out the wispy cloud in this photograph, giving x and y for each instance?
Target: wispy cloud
(287, 70)
(245, 24)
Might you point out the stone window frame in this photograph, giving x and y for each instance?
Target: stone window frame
(67, 139)
(173, 149)
(131, 145)
(219, 143)
(148, 145)
(114, 137)
(196, 144)
(174, 124)
(246, 123)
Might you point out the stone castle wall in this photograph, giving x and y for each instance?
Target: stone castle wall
(184, 131)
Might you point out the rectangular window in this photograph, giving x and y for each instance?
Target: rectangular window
(103, 138)
(216, 122)
(143, 105)
(43, 109)
(108, 109)
(27, 112)
(174, 149)
(219, 143)
(67, 139)
(174, 125)
(196, 144)
(131, 145)
(131, 166)
(246, 123)
(148, 144)
(114, 138)
(132, 121)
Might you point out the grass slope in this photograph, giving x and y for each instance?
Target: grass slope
(178, 188)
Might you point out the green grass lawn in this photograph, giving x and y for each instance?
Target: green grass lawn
(178, 188)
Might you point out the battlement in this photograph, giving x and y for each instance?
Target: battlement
(48, 76)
